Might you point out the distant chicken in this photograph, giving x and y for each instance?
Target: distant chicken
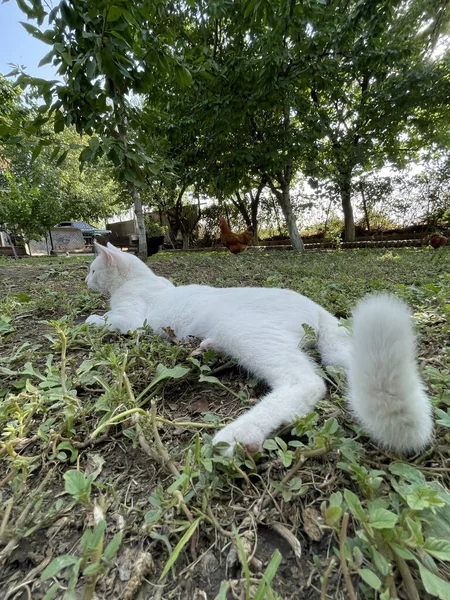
(437, 240)
(235, 242)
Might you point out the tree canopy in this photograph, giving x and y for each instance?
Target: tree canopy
(228, 99)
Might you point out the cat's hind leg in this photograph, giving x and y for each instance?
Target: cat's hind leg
(297, 388)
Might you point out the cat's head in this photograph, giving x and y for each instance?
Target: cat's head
(111, 268)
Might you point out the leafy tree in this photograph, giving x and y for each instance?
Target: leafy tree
(105, 53)
(375, 77)
(328, 88)
(232, 129)
(9, 104)
(248, 205)
(36, 192)
(372, 192)
(169, 197)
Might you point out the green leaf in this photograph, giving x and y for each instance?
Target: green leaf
(22, 297)
(62, 158)
(179, 547)
(331, 426)
(380, 562)
(52, 591)
(114, 13)
(335, 499)
(58, 564)
(268, 444)
(381, 518)
(296, 483)
(94, 144)
(76, 483)
(243, 560)
(401, 551)
(86, 155)
(438, 548)
(91, 68)
(354, 505)
(433, 584)
(93, 541)
(68, 446)
(370, 578)
(268, 576)
(92, 569)
(407, 472)
(67, 58)
(132, 177)
(444, 417)
(36, 151)
(333, 515)
(286, 459)
(5, 326)
(58, 125)
(151, 516)
(163, 372)
(182, 76)
(113, 546)
(422, 498)
(37, 33)
(210, 379)
(223, 591)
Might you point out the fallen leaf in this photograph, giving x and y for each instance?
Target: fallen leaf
(311, 517)
(201, 405)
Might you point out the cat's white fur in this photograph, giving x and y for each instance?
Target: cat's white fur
(262, 329)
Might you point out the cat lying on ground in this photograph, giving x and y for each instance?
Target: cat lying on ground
(262, 328)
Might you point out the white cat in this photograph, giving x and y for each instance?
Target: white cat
(262, 329)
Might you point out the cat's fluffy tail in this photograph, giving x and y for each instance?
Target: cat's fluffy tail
(386, 393)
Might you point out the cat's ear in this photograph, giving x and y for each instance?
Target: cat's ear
(112, 248)
(105, 252)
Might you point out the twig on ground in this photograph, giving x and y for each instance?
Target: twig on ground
(407, 578)
(326, 577)
(342, 539)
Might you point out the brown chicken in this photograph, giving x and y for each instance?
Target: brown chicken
(235, 242)
(437, 240)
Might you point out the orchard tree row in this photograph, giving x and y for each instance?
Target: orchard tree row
(232, 99)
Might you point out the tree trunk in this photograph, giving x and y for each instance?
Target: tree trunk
(185, 237)
(283, 197)
(291, 222)
(139, 215)
(346, 198)
(11, 243)
(250, 217)
(277, 216)
(364, 203)
(254, 209)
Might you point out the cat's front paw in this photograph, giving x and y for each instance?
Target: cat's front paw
(247, 434)
(98, 320)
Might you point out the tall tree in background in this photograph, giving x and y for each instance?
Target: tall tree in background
(234, 126)
(106, 52)
(375, 75)
(37, 192)
(280, 87)
(328, 88)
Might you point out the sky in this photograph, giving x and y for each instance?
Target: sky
(19, 47)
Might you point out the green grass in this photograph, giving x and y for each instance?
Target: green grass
(109, 484)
